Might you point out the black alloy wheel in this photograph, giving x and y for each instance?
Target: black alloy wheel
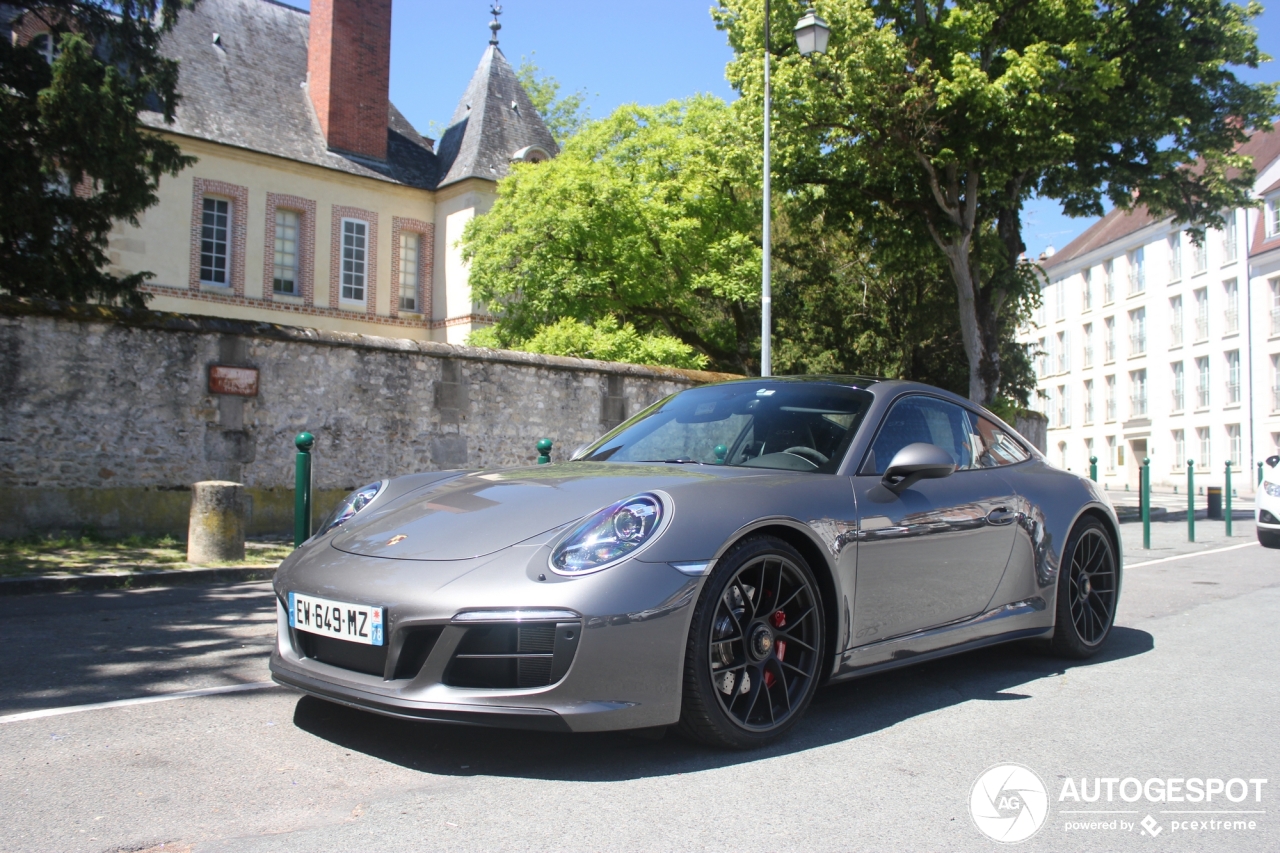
(1088, 590)
(755, 646)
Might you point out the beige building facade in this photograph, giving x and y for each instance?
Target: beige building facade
(279, 220)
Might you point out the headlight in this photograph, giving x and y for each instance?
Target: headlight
(350, 505)
(610, 536)
(1271, 488)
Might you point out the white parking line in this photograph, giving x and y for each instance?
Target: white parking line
(1189, 556)
(141, 700)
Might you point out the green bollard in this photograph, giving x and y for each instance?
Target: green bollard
(720, 451)
(302, 488)
(544, 451)
(1145, 497)
(1191, 500)
(1093, 468)
(1227, 498)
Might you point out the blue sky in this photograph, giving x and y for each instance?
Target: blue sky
(618, 53)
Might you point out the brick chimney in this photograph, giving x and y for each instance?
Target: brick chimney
(349, 66)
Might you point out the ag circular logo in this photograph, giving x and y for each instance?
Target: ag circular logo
(1008, 803)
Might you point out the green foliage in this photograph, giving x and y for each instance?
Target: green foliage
(606, 340)
(951, 115)
(75, 157)
(647, 216)
(563, 116)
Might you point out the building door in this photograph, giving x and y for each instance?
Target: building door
(1133, 471)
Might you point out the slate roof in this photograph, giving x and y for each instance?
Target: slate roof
(249, 91)
(494, 120)
(1263, 147)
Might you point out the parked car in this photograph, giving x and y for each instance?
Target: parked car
(709, 563)
(1267, 505)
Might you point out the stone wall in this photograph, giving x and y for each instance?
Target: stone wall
(106, 417)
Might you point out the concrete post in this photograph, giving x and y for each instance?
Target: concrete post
(215, 533)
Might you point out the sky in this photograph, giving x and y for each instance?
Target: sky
(618, 53)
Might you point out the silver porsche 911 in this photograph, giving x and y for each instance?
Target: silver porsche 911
(709, 563)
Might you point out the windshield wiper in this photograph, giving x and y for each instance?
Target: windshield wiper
(683, 460)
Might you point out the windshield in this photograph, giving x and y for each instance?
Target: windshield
(784, 425)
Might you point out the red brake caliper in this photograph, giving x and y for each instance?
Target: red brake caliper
(778, 620)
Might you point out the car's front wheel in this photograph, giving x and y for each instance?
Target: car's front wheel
(1269, 538)
(755, 647)
(1088, 590)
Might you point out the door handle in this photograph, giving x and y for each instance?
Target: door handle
(1002, 515)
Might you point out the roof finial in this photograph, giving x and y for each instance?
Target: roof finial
(494, 26)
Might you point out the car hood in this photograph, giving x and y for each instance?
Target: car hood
(482, 513)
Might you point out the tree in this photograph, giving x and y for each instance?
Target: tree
(645, 216)
(954, 114)
(606, 340)
(563, 116)
(76, 159)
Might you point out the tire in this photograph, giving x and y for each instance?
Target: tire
(1088, 591)
(754, 654)
(1269, 538)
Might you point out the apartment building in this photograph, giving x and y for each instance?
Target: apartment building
(1151, 345)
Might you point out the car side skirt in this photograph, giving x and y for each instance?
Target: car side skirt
(1016, 621)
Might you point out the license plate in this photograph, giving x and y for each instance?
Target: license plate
(356, 623)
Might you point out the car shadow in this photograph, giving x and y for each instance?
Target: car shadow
(839, 712)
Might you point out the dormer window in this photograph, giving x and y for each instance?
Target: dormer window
(531, 154)
(44, 44)
(1272, 213)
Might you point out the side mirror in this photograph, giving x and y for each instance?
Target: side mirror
(919, 461)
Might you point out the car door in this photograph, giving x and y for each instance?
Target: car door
(935, 552)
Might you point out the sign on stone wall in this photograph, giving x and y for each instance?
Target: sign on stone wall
(236, 381)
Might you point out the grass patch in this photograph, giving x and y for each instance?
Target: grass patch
(88, 553)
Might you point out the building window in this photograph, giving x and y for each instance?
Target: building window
(410, 244)
(1108, 281)
(1088, 401)
(1088, 345)
(354, 247)
(1202, 314)
(1233, 445)
(1275, 383)
(1064, 406)
(1114, 454)
(1175, 257)
(1205, 460)
(285, 274)
(1231, 310)
(1064, 353)
(1233, 377)
(1138, 399)
(1060, 300)
(1275, 306)
(1086, 290)
(1273, 215)
(1175, 321)
(1179, 386)
(1179, 449)
(1230, 239)
(47, 46)
(213, 241)
(1109, 340)
(1088, 448)
(1202, 383)
(1062, 455)
(1200, 256)
(1138, 331)
(1137, 275)
(1111, 398)
(1042, 358)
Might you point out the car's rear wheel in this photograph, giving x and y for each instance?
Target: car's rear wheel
(1088, 590)
(1269, 538)
(754, 652)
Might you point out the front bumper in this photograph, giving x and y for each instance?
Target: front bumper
(619, 643)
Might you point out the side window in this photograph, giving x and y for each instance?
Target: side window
(927, 419)
(993, 447)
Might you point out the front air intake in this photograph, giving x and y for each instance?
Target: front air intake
(513, 656)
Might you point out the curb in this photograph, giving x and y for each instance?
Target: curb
(132, 580)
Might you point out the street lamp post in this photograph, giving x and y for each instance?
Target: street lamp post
(811, 37)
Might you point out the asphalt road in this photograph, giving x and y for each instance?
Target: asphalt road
(1188, 687)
